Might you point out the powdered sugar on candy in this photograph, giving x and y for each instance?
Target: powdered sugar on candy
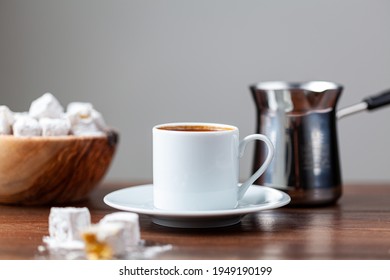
(47, 117)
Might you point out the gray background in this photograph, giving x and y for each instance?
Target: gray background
(145, 62)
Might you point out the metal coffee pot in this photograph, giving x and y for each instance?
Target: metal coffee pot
(300, 120)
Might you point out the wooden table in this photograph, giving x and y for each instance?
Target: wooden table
(357, 227)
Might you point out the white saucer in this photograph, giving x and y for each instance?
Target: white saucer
(139, 199)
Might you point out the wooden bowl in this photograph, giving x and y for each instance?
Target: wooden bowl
(52, 170)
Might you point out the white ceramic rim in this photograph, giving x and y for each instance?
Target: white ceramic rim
(231, 128)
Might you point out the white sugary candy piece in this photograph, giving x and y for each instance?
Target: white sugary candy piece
(26, 126)
(99, 121)
(77, 111)
(6, 120)
(18, 115)
(46, 106)
(6, 113)
(66, 225)
(80, 115)
(86, 127)
(85, 120)
(105, 241)
(5, 127)
(131, 226)
(82, 109)
(54, 127)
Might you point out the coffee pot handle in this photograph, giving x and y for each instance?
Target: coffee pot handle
(244, 186)
(368, 103)
(378, 101)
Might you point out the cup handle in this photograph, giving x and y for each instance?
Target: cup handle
(244, 186)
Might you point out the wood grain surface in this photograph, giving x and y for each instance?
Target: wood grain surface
(357, 227)
(44, 170)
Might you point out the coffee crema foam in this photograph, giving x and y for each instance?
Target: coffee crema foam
(195, 128)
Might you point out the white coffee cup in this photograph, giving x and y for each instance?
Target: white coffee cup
(196, 166)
